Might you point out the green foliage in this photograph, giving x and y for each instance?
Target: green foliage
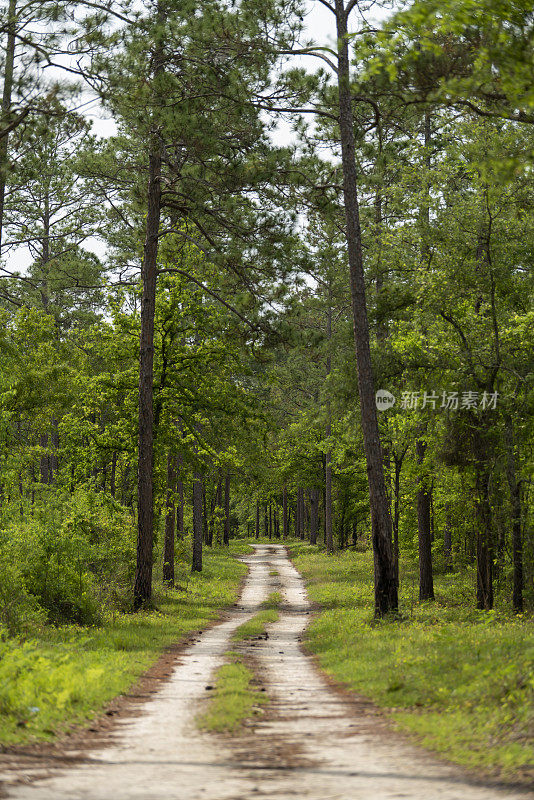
(20, 613)
(459, 678)
(65, 675)
(74, 554)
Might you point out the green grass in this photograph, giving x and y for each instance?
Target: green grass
(460, 679)
(66, 675)
(273, 601)
(234, 698)
(255, 626)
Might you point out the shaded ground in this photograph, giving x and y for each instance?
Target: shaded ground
(313, 741)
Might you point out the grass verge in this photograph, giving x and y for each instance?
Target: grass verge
(234, 698)
(255, 627)
(66, 675)
(460, 679)
(273, 601)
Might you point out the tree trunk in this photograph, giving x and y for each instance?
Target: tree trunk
(483, 543)
(9, 64)
(426, 582)
(196, 565)
(257, 533)
(207, 530)
(324, 503)
(484, 529)
(385, 583)
(145, 497)
(515, 498)
(226, 535)
(329, 538)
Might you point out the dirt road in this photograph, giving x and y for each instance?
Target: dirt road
(312, 742)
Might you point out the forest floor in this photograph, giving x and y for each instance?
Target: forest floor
(310, 740)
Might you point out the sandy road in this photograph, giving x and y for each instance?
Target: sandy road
(312, 743)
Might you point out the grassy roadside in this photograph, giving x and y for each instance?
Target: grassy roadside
(460, 680)
(66, 675)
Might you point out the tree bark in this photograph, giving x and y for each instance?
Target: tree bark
(207, 530)
(384, 573)
(145, 491)
(9, 65)
(426, 581)
(257, 532)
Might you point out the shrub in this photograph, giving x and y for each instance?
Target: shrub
(75, 556)
(20, 612)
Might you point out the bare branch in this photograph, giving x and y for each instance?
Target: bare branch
(311, 51)
(328, 6)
